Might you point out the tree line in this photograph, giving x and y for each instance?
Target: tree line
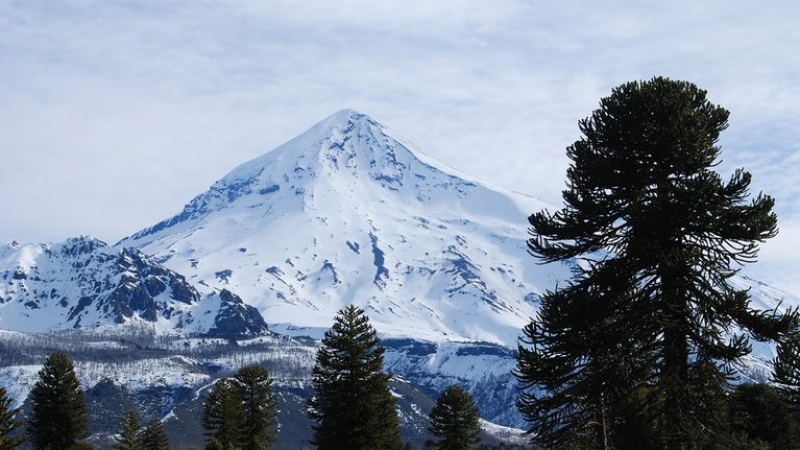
(352, 406)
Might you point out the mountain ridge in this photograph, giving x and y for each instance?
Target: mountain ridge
(82, 282)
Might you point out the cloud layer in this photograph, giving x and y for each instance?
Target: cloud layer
(114, 114)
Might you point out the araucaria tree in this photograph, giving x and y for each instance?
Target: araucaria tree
(454, 420)
(129, 434)
(58, 417)
(786, 370)
(259, 406)
(222, 415)
(649, 318)
(241, 412)
(10, 438)
(352, 405)
(154, 436)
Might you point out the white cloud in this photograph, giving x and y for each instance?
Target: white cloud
(113, 115)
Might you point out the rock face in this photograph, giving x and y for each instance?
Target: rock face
(235, 319)
(84, 283)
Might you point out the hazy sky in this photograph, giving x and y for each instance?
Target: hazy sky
(114, 114)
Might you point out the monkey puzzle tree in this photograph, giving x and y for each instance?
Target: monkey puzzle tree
(786, 370)
(454, 420)
(576, 383)
(129, 434)
(658, 231)
(352, 405)
(58, 417)
(9, 424)
(222, 415)
(258, 407)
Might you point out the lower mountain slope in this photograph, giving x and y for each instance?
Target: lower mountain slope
(168, 377)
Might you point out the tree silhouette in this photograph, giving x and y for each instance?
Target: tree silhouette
(455, 420)
(657, 231)
(58, 413)
(223, 415)
(129, 437)
(259, 408)
(352, 405)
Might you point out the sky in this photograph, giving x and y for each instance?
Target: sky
(114, 114)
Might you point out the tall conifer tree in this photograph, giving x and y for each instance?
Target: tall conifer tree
(222, 415)
(259, 408)
(154, 436)
(129, 435)
(58, 413)
(352, 405)
(658, 231)
(454, 420)
(10, 437)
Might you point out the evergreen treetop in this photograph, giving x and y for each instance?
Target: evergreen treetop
(223, 414)
(129, 436)
(352, 405)
(58, 413)
(154, 436)
(454, 420)
(259, 407)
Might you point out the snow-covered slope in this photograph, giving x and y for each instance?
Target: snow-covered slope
(84, 283)
(347, 213)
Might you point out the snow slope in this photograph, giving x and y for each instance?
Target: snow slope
(348, 213)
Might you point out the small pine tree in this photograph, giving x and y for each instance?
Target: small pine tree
(222, 415)
(352, 405)
(9, 437)
(258, 408)
(58, 413)
(455, 421)
(129, 437)
(154, 436)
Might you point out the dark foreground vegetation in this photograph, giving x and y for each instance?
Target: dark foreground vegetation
(637, 350)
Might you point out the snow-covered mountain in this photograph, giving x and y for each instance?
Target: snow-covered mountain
(84, 283)
(348, 213)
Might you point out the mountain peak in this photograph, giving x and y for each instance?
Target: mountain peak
(330, 135)
(346, 213)
(342, 117)
(347, 151)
